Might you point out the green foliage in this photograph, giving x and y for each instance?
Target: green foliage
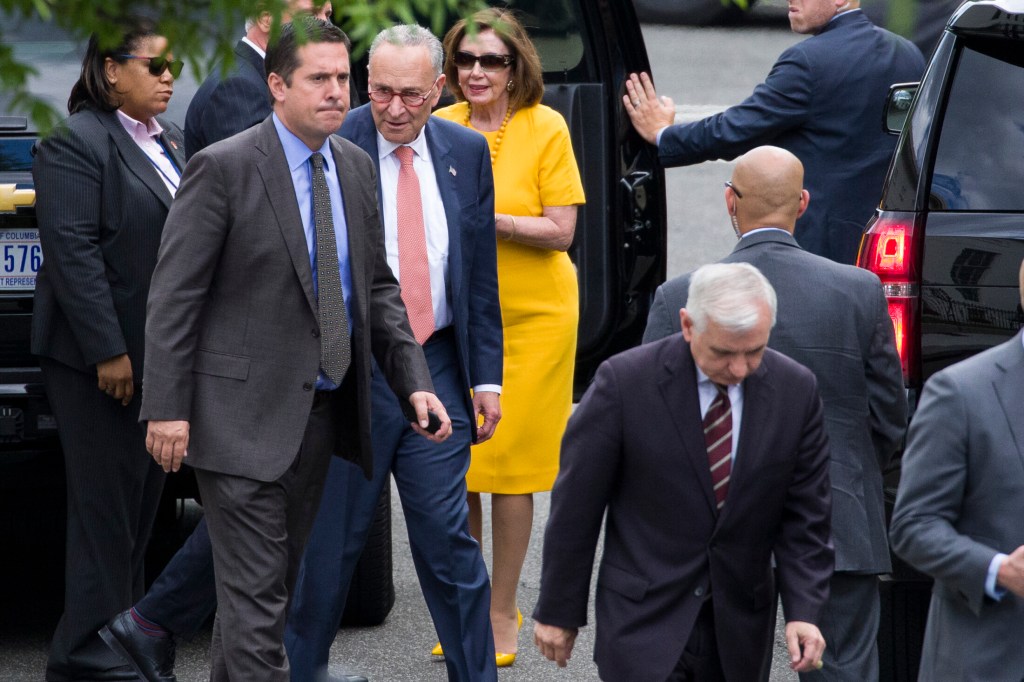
(202, 32)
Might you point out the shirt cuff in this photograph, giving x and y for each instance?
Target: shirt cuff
(991, 588)
(493, 388)
(657, 139)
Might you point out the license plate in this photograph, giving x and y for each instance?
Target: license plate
(20, 258)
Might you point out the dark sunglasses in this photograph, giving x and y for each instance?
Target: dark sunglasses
(157, 65)
(488, 62)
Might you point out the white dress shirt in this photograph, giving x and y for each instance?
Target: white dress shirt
(146, 136)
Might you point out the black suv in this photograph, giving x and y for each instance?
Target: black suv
(948, 239)
(587, 50)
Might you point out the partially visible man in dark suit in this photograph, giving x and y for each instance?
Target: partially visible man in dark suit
(230, 102)
(707, 451)
(822, 101)
(271, 291)
(958, 514)
(832, 319)
(442, 249)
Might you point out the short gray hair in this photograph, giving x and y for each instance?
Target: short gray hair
(731, 294)
(411, 35)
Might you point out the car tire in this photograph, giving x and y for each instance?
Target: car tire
(691, 12)
(371, 593)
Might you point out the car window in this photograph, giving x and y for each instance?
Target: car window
(979, 162)
(554, 28)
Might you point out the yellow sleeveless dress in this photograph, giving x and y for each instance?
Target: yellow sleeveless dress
(535, 167)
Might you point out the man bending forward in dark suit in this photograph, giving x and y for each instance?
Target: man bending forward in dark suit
(833, 319)
(271, 291)
(708, 452)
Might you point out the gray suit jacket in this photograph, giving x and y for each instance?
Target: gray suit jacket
(833, 319)
(232, 340)
(960, 501)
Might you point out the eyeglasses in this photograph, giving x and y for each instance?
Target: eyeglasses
(739, 195)
(410, 99)
(157, 65)
(488, 62)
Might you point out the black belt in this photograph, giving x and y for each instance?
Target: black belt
(442, 334)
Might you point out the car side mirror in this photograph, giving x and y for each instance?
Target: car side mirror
(897, 106)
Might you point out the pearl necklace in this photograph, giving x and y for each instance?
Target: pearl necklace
(501, 131)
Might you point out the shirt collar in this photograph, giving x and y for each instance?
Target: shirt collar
(141, 132)
(844, 13)
(763, 229)
(295, 150)
(259, 50)
(419, 145)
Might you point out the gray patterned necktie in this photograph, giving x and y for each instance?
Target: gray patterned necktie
(335, 352)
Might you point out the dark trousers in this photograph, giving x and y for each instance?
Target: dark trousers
(700, 661)
(184, 595)
(113, 489)
(430, 480)
(849, 623)
(258, 530)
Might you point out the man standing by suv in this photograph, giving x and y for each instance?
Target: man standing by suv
(822, 101)
(958, 513)
(834, 320)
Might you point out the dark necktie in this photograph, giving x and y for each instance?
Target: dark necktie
(335, 353)
(718, 439)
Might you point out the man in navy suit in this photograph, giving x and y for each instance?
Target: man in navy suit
(228, 103)
(453, 168)
(822, 101)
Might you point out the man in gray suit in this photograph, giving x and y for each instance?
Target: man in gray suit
(832, 318)
(270, 292)
(959, 514)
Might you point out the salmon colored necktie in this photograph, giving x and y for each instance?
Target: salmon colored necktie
(413, 268)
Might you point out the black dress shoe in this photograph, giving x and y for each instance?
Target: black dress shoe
(151, 657)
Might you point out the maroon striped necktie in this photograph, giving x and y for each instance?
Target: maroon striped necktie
(718, 439)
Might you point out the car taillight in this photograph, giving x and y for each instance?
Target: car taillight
(891, 249)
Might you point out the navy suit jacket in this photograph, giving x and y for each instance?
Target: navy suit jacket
(634, 456)
(462, 166)
(227, 103)
(823, 101)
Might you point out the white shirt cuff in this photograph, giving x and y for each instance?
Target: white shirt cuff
(493, 388)
(657, 140)
(991, 588)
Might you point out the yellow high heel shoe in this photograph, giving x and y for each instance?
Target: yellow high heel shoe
(503, 660)
(500, 659)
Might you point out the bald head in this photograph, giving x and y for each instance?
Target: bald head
(771, 181)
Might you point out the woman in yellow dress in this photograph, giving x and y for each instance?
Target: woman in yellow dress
(496, 78)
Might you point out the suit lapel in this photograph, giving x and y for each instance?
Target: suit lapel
(1009, 388)
(134, 158)
(440, 155)
(273, 168)
(355, 217)
(175, 146)
(678, 386)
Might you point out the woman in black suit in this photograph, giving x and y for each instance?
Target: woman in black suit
(104, 183)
